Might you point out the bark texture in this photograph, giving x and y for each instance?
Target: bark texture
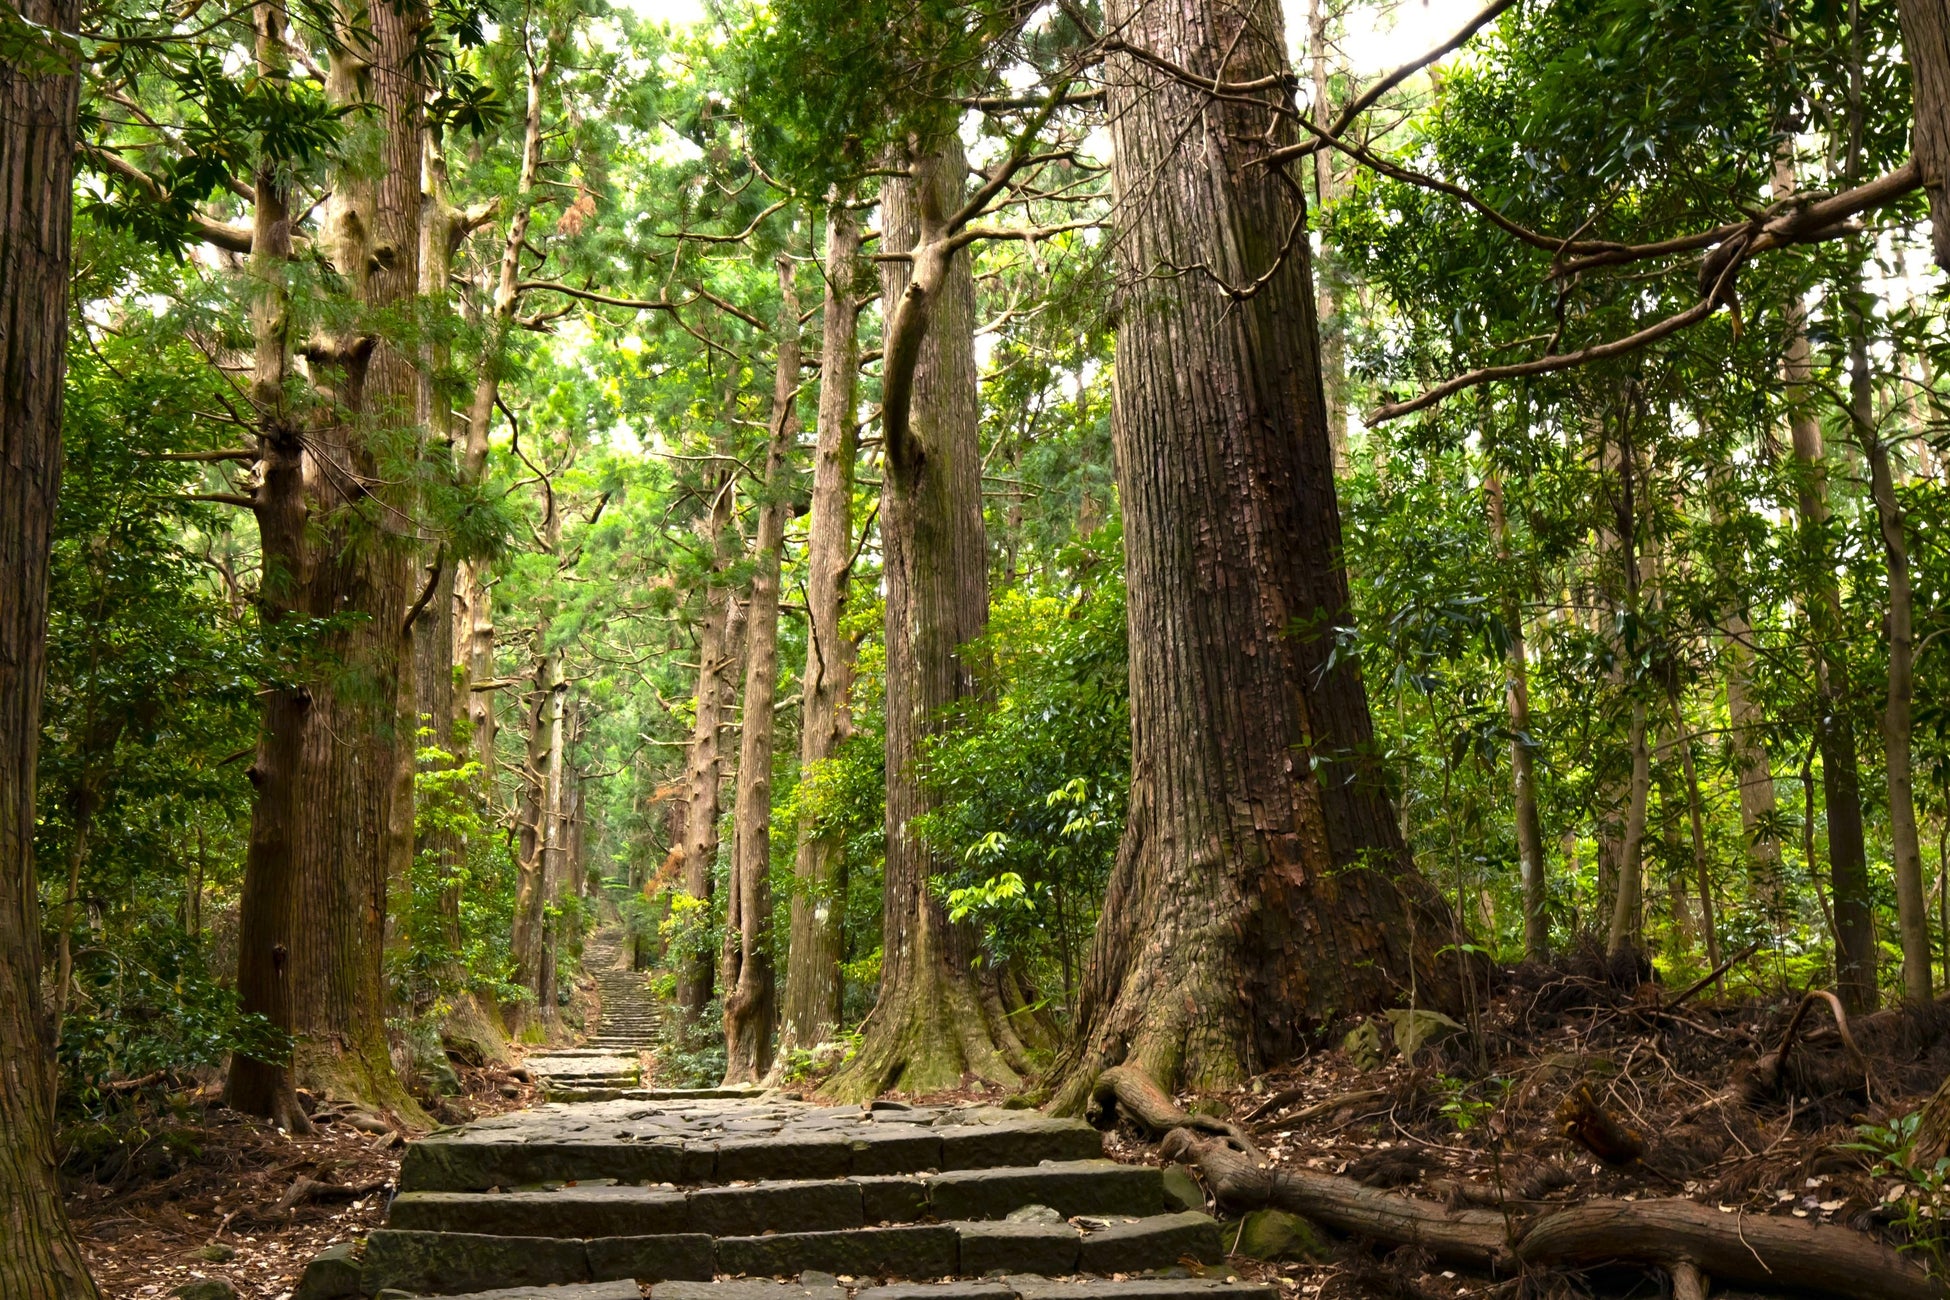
(1926, 43)
(932, 1026)
(750, 989)
(39, 1259)
(1262, 889)
(812, 984)
(334, 513)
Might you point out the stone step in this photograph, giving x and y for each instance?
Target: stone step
(1083, 1187)
(615, 1140)
(446, 1263)
(817, 1287)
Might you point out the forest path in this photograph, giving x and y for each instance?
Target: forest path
(715, 1198)
(610, 1062)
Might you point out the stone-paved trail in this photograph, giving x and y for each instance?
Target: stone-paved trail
(610, 1062)
(714, 1198)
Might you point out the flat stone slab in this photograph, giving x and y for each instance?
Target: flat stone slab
(1157, 1242)
(938, 1291)
(743, 1289)
(1160, 1288)
(450, 1262)
(1069, 1187)
(1039, 1247)
(567, 1212)
(573, 1291)
(705, 1136)
(914, 1251)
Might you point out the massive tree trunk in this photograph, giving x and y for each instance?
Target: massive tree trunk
(39, 1259)
(335, 514)
(1628, 900)
(1262, 889)
(1926, 46)
(932, 1027)
(1523, 779)
(812, 982)
(750, 995)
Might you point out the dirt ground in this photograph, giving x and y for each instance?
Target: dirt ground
(181, 1189)
(1757, 1105)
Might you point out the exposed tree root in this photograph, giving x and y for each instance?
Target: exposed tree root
(1690, 1242)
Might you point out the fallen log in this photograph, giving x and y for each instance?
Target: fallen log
(1755, 1250)
(1689, 1241)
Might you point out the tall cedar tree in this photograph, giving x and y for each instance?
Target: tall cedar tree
(39, 1259)
(812, 985)
(331, 508)
(1262, 887)
(936, 1021)
(748, 970)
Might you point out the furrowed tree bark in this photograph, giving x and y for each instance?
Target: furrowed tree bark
(1926, 45)
(931, 1029)
(39, 1259)
(335, 514)
(750, 997)
(812, 984)
(1523, 780)
(1262, 888)
(1841, 787)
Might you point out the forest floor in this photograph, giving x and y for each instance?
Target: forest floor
(1585, 1083)
(1580, 1082)
(181, 1189)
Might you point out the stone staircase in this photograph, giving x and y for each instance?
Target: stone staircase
(628, 1022)
(775, 1199)
(609, 1064)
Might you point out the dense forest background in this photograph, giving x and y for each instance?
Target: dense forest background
(1651, 643)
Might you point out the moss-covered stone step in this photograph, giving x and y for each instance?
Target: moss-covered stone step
(1078, 1187)
(447, 1263)
(616, 1140)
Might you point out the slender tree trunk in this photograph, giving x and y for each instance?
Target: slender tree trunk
(1696, 820)
(703, 767)
(1754, 773)
(931, 1027)
(1327, 276)
(750, 995)
(1855, 958)
(1912, 900)
(1262, 888)
(1516, 694)
(1628, 904)
(39, 1259)
(812, 984)
(544, 724)
(474, 601)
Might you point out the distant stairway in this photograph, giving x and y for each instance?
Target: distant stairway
(628, 1021)
(774, 1199)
